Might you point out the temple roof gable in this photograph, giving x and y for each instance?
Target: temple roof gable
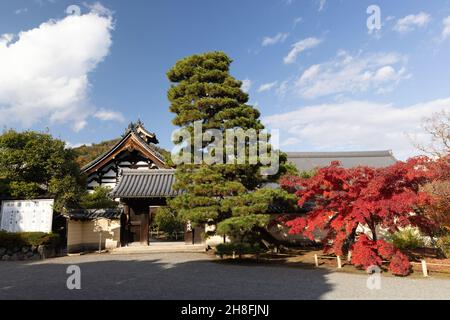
(136, 137)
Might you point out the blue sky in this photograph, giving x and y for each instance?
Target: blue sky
(311, 66)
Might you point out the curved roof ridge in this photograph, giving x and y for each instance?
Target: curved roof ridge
(131, 131)
(150, 147)
(105, 154)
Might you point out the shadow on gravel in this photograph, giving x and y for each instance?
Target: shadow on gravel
(119, 278)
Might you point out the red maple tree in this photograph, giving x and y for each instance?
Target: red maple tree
(351, 205)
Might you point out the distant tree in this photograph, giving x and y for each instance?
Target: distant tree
(438, 208)
(291, 169)
(348, 200)
(307, 174)
(438, 190)
(87, 153)
(34, 164)
(438, 128)
(99, 199)
(203, 90)
(168, 221)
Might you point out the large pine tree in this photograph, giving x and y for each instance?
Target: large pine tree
(203, 90)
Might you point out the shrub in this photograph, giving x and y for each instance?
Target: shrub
(443, 244)
(237, 248)
(368, 253)
(168, 221)
(399, 265)
(365, 253)
(17, 240)
(99, 199)
(407, 239)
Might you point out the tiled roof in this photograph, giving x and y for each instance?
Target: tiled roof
(307, 161)
(145, 184)
(93, 214)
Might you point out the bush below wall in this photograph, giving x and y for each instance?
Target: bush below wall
(28, 246)
(228, 249)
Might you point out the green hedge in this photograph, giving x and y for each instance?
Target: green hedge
(237, 248)
(17, 240)
(407, 239)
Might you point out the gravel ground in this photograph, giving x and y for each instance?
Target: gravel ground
(195, 276)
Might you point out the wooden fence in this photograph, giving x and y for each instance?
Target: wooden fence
(423, 263)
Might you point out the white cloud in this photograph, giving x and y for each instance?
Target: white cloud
(297, 21)
(290, 142)
(246, 85)
(310, 73)
(267, 86)
(43, 2)
(283, 88)
(352, 74)
(322, 4)
(99, 9)
(44, 71)
(270, 41)
(70, 145)
(21, 10)
(386, 73)
(109, 115)
(410, 22)
(446, 31)
(299, 47)
(331, 127)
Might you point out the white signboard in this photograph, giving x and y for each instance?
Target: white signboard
(27, 216)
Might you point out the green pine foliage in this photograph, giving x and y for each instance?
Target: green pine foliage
(99, 199)
(203, 90)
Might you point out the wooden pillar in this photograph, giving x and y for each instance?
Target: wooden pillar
(124, 228)
(144, 228)
(424, 268)
(339, 262)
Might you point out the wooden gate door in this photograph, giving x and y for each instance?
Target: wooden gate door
(194, 235)
(139, 225)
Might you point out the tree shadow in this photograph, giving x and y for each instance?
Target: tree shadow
(159, 277)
